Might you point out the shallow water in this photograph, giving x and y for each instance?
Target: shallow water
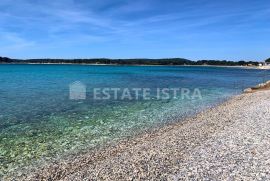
(39, 120)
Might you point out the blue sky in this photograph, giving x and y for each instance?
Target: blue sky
(194, 29)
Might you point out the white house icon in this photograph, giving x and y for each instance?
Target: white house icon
(77, 91)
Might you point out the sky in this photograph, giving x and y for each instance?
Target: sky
(193, 29)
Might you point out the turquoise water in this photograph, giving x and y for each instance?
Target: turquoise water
(38, 120)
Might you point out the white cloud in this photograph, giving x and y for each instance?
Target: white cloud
(13, 42)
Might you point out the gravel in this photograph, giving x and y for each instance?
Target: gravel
(228, 142)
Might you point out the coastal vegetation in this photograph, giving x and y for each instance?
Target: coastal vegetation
(267, 60)
(163, 61)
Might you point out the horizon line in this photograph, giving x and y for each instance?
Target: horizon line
(144, 58)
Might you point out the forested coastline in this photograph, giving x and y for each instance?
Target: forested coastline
(164, 61)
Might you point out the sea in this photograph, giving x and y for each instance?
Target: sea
(49, 111)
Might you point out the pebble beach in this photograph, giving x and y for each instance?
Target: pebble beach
(227, 142)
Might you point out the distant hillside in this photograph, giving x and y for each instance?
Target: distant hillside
(172, 61)
(5, 60)
(267, 60)
(164, 61)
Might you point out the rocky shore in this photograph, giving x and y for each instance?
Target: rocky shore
(259, 87)
(228, 142)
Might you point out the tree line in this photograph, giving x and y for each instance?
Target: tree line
(164, 61)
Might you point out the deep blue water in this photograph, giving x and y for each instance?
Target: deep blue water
(38, 119)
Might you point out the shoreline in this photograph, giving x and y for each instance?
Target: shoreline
(85, 64)
(163, 151)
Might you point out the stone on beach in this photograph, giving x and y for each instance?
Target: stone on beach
(248, 90)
